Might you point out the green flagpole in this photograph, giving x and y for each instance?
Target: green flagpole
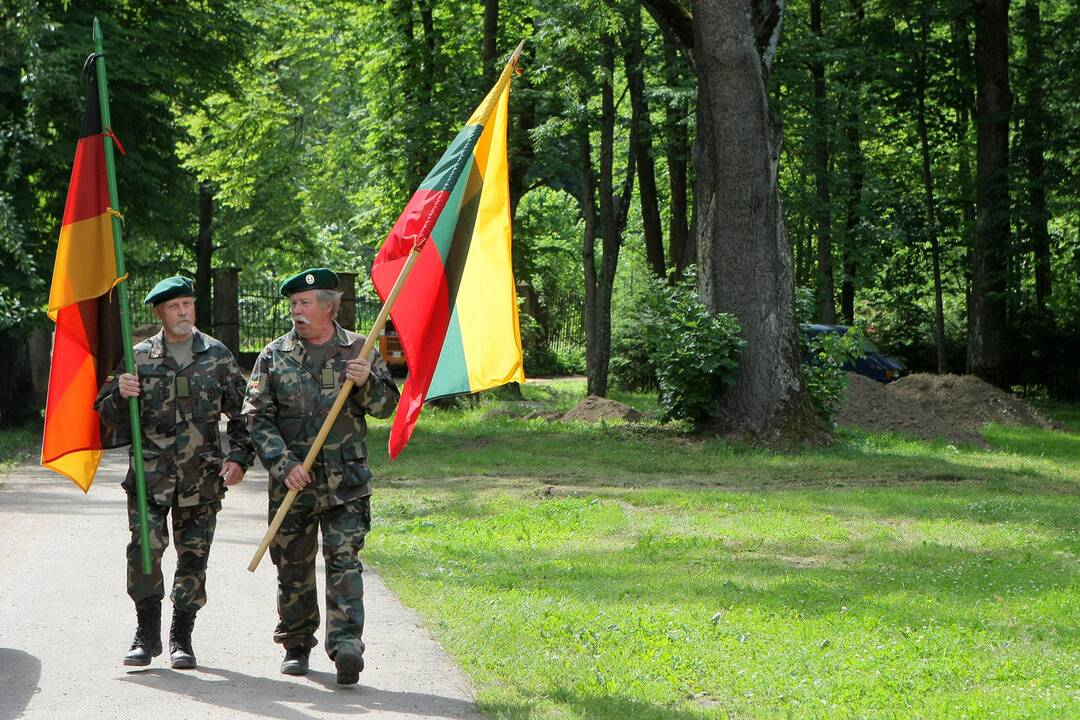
(122, 297)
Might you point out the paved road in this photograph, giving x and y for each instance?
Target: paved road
(66, 621)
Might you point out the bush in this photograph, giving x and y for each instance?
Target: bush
(673, 340)
(630, 368)
(824, 371)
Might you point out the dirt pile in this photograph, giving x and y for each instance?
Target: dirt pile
(595, 409)
(952, 407)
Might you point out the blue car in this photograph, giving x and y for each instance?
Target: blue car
(873, 364)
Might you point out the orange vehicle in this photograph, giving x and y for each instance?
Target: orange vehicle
(390, 348)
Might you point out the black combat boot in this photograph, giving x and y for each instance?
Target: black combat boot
(296, 661)
(349, 666)
(180, 653)
(147, 642)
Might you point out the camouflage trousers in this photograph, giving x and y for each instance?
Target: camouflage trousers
(293, 552)
(193, 528)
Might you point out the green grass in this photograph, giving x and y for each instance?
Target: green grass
(618, 571)
(18, 444)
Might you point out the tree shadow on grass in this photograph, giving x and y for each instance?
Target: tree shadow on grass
(1062, 446)
(888, 568)
(595, 707)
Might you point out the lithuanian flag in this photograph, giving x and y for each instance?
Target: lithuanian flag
(457, 314)
(87, 342)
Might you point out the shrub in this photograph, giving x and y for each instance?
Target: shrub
(826, 354)
(673, 342)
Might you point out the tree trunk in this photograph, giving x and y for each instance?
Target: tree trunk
(746, 260)
(989, 272)
(854, 218)
(928, 190)
(491, 34)
(204, 255)
(588, 250)
(856, 165)
(652, 231)
(522, 152)
(825, 288)
(1034, 145)
(964, 111)
(677, 152)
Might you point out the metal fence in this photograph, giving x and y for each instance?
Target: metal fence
(263, 315)
(566, 323)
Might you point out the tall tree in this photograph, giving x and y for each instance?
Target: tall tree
(855, 167)
(634, 63)
(681, 251)
(1034, 144)
(204, 256)
(921, 60)
(491, 38)
(964, 75)
(989, 272)
(746, 264)
(825, 282)
(612, 213)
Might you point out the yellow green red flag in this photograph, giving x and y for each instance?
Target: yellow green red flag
(457, 314)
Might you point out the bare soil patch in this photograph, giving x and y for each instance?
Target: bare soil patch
(595, 409)
(951, 407)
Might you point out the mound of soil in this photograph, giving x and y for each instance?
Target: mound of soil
(952, 407)
(595, 409)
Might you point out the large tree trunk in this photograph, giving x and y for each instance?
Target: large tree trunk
(928, 190)
(652, 231)
(1034, 144)
(746, 260)
(204, 255)
(826, 303)
(989, 273)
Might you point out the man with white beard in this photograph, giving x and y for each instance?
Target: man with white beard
(186, 380)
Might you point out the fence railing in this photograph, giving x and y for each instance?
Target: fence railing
(263, 314)
(566, 323)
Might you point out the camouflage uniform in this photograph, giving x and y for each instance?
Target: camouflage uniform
(287, 401)
(182, 456)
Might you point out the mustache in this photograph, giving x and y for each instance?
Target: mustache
(300, 320)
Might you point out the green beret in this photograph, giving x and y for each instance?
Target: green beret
(310, 279)
(169, 288)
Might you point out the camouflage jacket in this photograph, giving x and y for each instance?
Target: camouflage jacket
(287, 402)
(179, 411)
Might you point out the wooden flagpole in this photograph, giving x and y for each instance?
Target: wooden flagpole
(339, 403)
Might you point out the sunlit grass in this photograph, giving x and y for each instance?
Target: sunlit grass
(624, 571)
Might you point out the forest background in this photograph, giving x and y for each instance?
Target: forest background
(272, 136)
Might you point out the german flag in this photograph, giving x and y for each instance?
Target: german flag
(457, 314)
(87, 343)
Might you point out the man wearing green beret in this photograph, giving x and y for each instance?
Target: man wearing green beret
(186, 380)
(292, 388)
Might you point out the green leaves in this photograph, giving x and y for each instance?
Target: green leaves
(692, 353)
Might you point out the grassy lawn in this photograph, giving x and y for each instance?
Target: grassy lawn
(635, 572)
(17, 445)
